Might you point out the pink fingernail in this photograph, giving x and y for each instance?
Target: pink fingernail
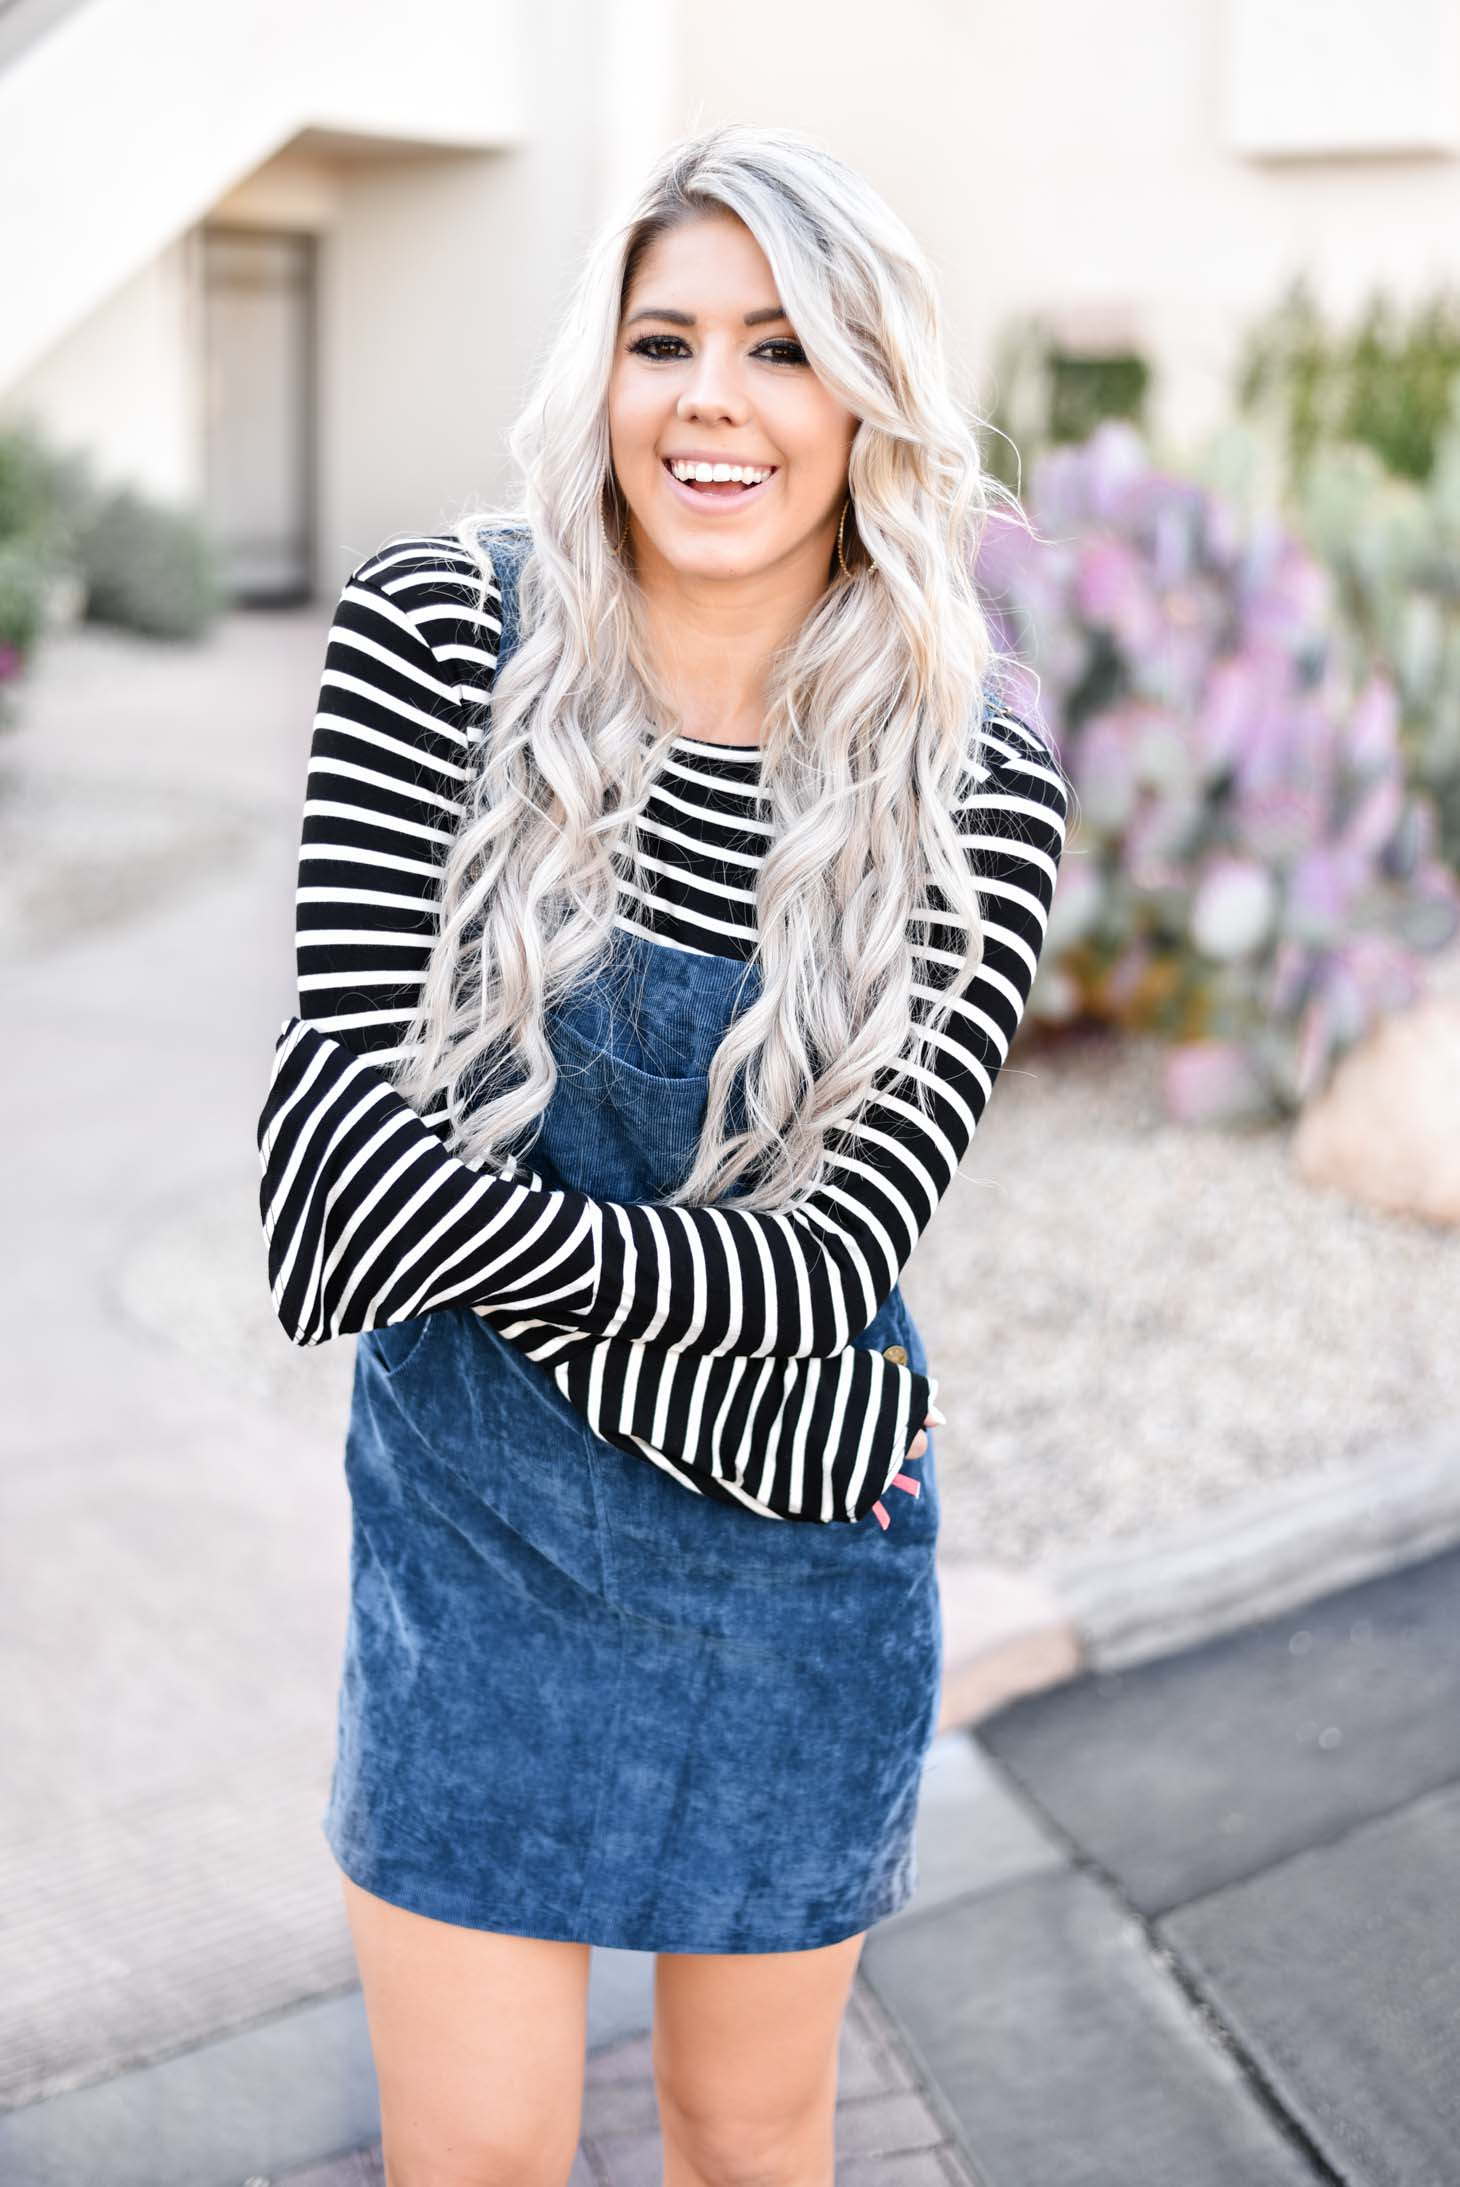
(879, 1513)
(905, 1480)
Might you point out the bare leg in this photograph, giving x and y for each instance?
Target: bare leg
(479, 2043)
(745, 2064)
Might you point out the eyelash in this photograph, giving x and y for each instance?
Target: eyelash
(780, 341)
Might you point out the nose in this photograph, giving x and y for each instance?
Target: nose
(713, 390)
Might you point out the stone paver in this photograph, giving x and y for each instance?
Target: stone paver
(1339, 1972)
(1185, 1774)
(1183, 2000)
(1065, 2052)
(173, 1553)
(296, 2086)
(974, 1830)
(362, 2168)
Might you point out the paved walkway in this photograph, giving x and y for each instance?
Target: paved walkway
(1195, 1924)
(1192, 1925)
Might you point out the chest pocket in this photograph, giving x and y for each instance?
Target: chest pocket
(633, 1051)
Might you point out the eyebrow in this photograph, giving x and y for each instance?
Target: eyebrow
(687, 318)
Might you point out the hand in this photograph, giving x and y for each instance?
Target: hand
(932, 1418)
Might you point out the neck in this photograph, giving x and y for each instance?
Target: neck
(711, 640)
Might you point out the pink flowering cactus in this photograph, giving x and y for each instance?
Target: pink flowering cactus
(1258, 881)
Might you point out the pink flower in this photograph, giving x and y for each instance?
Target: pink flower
(1213, 1082)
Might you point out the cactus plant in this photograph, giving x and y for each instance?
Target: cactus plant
(1258, 881)
(1394, 550)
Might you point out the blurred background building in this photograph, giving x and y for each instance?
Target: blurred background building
(292, 264)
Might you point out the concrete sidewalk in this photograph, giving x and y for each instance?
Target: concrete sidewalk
(1195, 1924)
(1233, 1951)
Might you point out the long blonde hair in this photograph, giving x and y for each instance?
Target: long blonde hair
(872, 726)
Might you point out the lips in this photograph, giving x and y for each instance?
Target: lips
(716, 498)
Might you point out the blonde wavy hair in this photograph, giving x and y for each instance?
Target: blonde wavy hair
(874, 714)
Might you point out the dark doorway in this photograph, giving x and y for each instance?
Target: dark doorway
(259, 348)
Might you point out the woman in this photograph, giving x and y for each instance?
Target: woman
(723, 912)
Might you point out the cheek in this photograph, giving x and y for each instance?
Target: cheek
(817, 481)
(632, 416)
(632, 425)
(816, 434)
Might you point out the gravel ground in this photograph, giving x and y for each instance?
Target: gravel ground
(1130, 1320)
(1175, 1316)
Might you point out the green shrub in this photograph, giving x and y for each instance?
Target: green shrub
(24, 579)
(45, 498)
(150, 568)
(1048, 393)
(1383, 382)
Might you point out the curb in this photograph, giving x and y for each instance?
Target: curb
(1004, 1633)
(1234, 1564)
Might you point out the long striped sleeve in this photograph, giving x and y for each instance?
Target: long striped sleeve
(804, 1283)
(354, 1181)
(369, 1219)
(715, 1342)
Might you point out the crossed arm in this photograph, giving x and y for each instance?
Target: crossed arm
(716, 1340)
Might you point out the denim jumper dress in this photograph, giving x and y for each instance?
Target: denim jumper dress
(578, 1700)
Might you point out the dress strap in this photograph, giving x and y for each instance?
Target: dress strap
(507, 549)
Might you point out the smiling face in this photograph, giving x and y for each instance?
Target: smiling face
(692, 379)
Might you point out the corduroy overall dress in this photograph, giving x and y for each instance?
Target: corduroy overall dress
(578, 1700)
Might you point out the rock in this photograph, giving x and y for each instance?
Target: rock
(1386, 1128)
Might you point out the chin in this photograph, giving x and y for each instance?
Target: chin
(695, 556)
(724, 561)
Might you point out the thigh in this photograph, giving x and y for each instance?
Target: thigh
(745, 2050)
(479, 2042)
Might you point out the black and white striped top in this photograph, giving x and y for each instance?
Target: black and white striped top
(715, 1341)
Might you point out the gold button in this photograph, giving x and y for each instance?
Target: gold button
(897, 1353)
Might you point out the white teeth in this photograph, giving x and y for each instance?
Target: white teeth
(718, 473)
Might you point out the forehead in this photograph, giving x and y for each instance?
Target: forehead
(709, 264)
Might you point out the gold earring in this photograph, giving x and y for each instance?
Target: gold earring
(840, 531)
(619, 533)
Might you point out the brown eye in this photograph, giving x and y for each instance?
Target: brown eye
(642, 346)
(788, 352)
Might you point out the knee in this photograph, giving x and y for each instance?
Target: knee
(738, 2148)
(493, 2161)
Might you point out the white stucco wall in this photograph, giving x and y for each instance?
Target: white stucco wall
(1080, 160)
(1128, 169)
(125, 385)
